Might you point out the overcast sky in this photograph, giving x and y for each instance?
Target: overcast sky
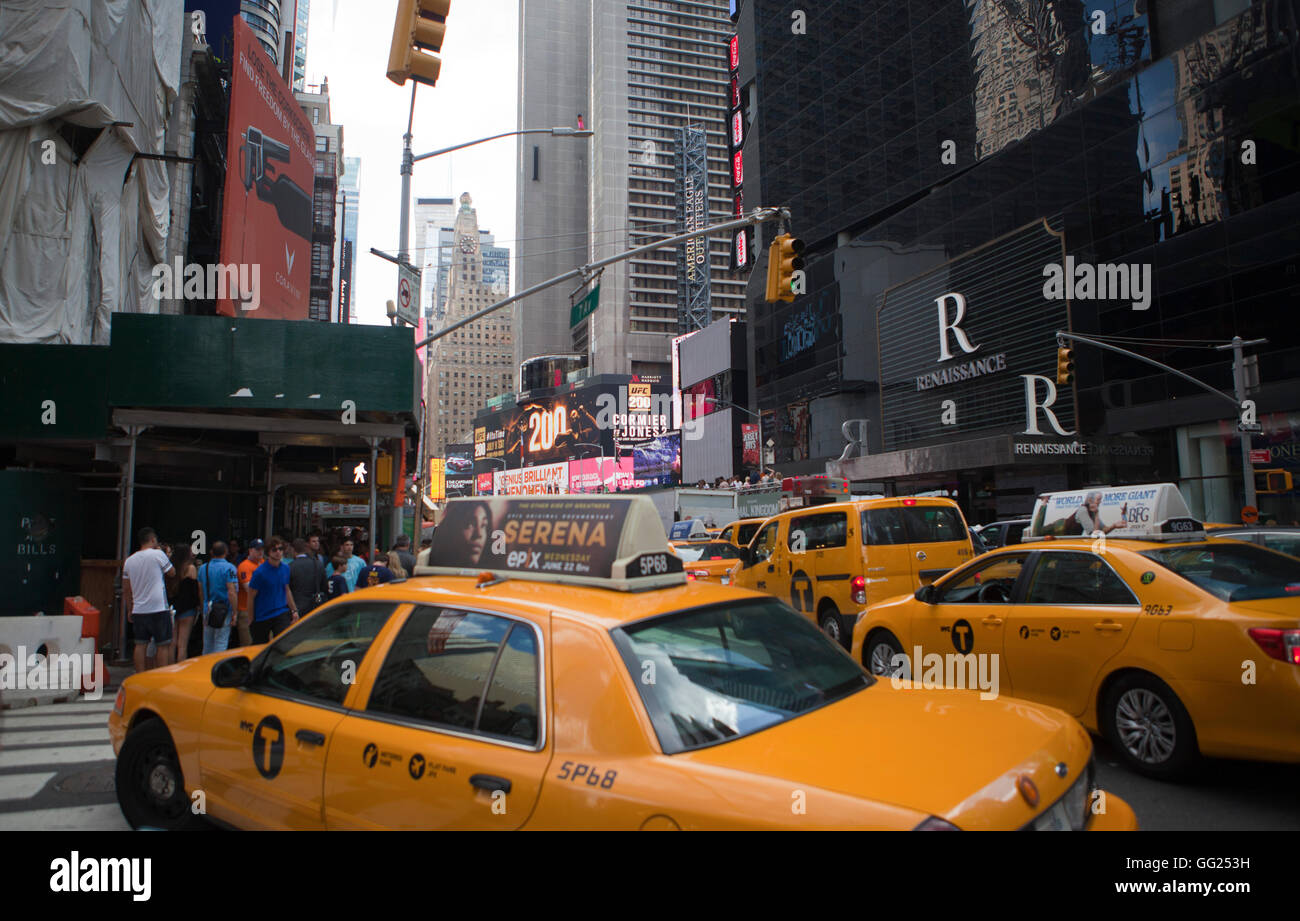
(348, 41)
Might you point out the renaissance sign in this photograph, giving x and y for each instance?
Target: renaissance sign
(969, 347)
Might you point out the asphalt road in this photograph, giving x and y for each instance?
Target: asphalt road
(1220, 795)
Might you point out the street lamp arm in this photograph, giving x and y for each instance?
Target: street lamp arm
(733, 406)
(557, 132)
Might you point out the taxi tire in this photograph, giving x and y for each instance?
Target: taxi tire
(149, 747)
(1185, 754)
(877, 639)
(830, 622)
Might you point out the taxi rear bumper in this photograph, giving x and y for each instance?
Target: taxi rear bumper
(1113, 814)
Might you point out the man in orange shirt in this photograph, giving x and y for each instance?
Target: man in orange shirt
(245, 572)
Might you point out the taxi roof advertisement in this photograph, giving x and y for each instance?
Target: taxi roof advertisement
(266, 223)
(561, 535)
(1125, 511)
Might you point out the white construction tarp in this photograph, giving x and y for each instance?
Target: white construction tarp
(79, 236)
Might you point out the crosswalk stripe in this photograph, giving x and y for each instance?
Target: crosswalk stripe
(23, 786)
(56, 719)
(72, 754)
(80, 708)
(52, 737)
(103, 817)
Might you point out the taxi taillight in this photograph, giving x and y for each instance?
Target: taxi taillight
(1283, 645)
(119, 702)
(859, 586)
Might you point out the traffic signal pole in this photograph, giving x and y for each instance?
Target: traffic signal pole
(1239, 385)
(757, 216)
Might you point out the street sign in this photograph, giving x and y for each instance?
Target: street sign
(408, 295)
(585, 307)
(1250, 428)
(1259, 456)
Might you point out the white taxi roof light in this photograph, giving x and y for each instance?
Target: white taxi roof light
(1151, 511)
(614, 542)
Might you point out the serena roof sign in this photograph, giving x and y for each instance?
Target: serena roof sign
(607, 541)
(1152, 511)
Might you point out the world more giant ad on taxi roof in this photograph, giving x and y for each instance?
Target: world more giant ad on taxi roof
(266, 223)
(560, 535)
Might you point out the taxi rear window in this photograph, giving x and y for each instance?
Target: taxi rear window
(912, 524)
(719, 551)
(745, 533)
(729, 670)
(1233, 572)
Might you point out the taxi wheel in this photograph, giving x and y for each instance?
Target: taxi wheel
(1149, 726)
(150, 786)
(878, 653)
(830, 624)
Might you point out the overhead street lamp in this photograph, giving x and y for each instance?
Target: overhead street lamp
(404, 224)
(600, 471)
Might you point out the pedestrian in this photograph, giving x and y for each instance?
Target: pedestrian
(218, 584)
(246, 569)
(185, 600)
(375, 574)
(314, 548)
(396, 564)
(352, 566)
(307, 579)
(402, 547)
(145, 575)
(268, 595)
(233, 556)
(338, 584)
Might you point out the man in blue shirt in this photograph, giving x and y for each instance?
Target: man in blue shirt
(218, 581)
(268, 595)
(355, 565)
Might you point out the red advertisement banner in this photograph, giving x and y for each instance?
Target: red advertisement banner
(749, 444)
(267, 219)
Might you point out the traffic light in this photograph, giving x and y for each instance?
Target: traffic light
(783, 260)
(1064, 365)
(420, 27)
(1273, 481)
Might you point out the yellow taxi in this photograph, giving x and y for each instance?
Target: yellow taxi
(742, 531)
(549, 667)
(716, 561)
(834, 560)
(1169, 644)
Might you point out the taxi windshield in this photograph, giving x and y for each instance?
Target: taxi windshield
(713, 674)
(1233, 572)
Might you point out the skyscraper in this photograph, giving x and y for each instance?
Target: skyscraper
(637, 70)
(432, 217)
(329, 169)
(300, 44)
(475, 362)
(351, 204)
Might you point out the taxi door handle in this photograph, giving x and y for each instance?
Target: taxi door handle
(490, 783)
(991, 621)
(307, 737)
(1108, 626)
(771, 567)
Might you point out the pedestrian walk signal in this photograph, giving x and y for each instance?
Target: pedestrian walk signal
(1064, 365)
(358, 471)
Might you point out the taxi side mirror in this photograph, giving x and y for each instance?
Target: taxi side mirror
(232, 673)
(925, 594)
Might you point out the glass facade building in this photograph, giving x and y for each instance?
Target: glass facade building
(939, 157)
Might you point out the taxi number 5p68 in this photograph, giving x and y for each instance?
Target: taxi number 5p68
(1160, 609)
(653, 562)
(591, 774)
